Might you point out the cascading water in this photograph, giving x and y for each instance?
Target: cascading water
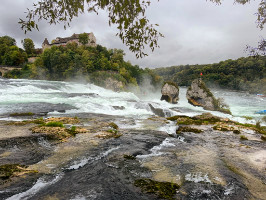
(41, 96)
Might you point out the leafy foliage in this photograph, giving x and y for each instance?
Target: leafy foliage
(29, 46)
(95, 64)
(241, 74)
(10, 54)
(83, 38)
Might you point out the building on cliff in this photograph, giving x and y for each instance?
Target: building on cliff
(64, 41)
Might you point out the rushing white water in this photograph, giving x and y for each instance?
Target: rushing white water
(25, 95)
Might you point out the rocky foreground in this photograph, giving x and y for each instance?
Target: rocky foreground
(97, 157)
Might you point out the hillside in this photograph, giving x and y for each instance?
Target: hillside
(97, 65)
(248, 74)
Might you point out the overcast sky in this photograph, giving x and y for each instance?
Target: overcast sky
(196, 31)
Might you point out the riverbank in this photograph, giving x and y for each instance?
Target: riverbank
(133, 161)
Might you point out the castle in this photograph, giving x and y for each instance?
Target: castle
(64, 41)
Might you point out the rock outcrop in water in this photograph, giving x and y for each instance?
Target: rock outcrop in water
(199, 95)
(170, 92)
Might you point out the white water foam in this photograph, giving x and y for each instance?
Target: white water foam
(197, 177)
(55, 92)
(40, 184)
(83, 162)
(157, 150)
(169, 128)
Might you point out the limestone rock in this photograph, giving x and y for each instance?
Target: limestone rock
(199, 95)
(170, 92)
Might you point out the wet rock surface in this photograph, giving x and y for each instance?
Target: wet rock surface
(209, 164)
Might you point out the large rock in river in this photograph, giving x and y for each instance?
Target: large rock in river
(199, 95)
(170, 92)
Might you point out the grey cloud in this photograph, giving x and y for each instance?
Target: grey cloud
(196, 31)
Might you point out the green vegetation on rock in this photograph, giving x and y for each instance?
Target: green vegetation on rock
(187, 129)
(129, 157)
(54, 124)
(165, 190)
(9, 170)
(242, 137)
(21, 114)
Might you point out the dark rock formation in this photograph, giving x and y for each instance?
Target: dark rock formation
(119, 107)
(170, 92)
(199, 95)
(159, 111)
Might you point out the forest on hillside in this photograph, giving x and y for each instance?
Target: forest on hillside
(246, 73)
(70, 62)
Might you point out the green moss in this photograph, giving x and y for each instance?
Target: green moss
(21, 114)
(203, 86)
(54, 124)
(205, 118)
(188, 129)
(72, 131)
(113, 125)
(165, 190)
(236, 131)
(242, 137)
(129, 157)
(9, 170)
(6, 171)
(38, 121)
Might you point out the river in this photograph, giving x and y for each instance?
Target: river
(52, 96)
(211, 165)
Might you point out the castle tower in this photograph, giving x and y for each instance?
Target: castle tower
(45, 44)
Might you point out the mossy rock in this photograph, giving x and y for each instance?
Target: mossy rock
(21, 114)
(113, 125)
(129, 157)
(109, 134)
(236, 131)
(9, 170)
(187, 129)
(165, 190)
(205, 118)
(64, 120)
(242, 137)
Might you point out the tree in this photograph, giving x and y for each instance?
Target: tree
(83, 38)
(134, 29)
(6, 40)
(28, 45)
